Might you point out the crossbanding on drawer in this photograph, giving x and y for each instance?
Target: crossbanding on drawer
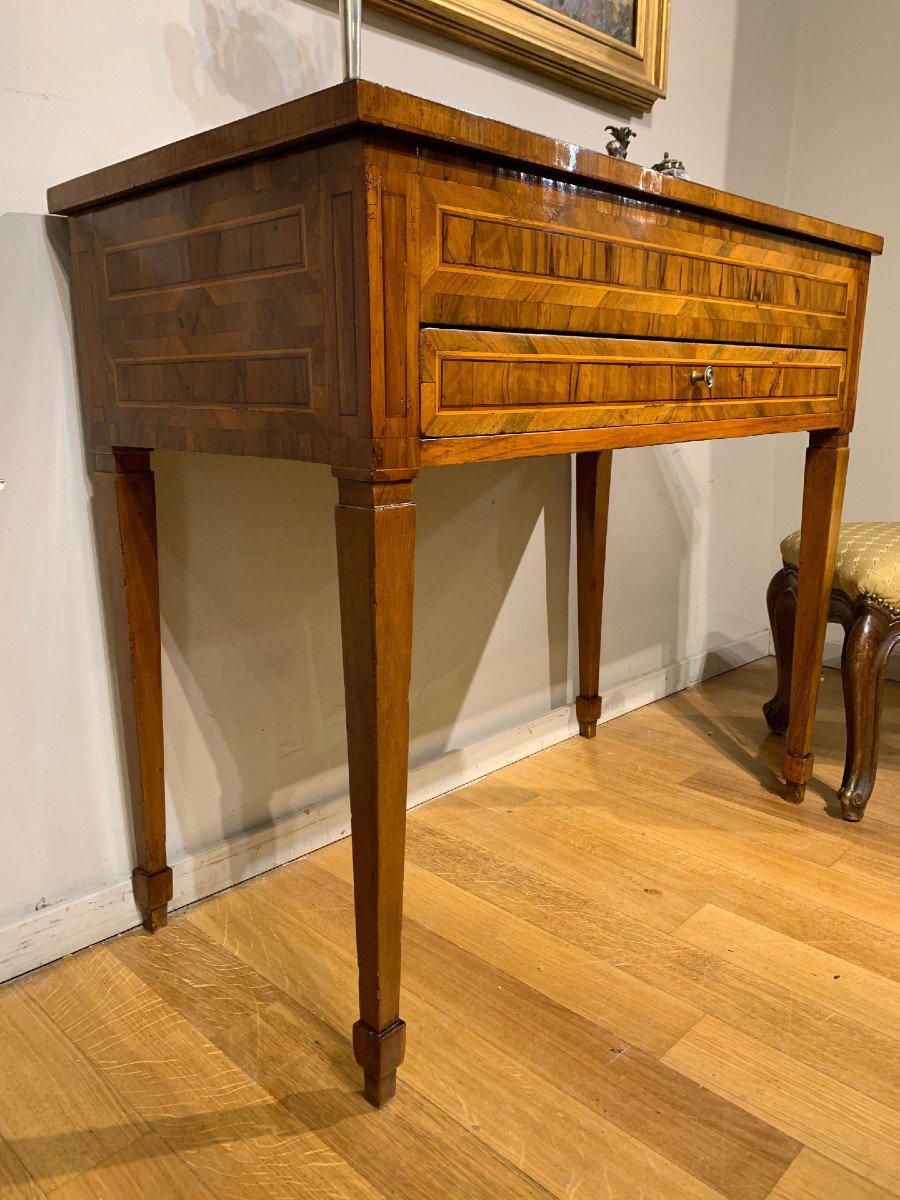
(481, 383)
(522, 256)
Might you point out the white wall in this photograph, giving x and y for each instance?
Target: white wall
(254, 716)
(844, 166)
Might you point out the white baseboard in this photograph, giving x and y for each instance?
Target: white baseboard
(54, 932)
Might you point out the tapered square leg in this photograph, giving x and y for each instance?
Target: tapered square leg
(376, 525)
(823, 497)
(125, 502)
(592, 479)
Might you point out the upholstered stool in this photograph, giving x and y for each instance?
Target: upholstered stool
(865, 599)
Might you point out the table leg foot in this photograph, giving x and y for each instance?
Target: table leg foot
(797, 770)
(587, 709)
(153, 893)
(795, 792)
(379, 1055)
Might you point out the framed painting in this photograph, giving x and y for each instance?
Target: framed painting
(615, 48)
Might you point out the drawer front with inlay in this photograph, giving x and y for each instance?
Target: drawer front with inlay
(476, 383)
(520, 255)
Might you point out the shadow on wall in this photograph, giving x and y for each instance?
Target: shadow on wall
(252, 661)
(231, 48)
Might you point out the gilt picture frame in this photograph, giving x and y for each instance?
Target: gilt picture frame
(617, 49)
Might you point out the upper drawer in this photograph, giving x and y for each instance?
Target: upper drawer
(522, 255)
(476, 383)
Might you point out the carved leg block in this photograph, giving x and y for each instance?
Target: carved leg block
(379, 1055)
(823, 495)
(781, 601)
(125, 502)
(868, 647)
(593, 471)
(375, 526)
(153, 894)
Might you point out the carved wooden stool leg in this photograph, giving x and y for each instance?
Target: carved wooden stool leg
(592, 478)
(376, 525)
(781, 600)
(868, 647)
(823, 495)
(125, 502)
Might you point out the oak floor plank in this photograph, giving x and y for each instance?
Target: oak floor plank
(875, 901)
(562, 838)
(586, 818)
(15, 1180)
(635, 1009)
(306, 1065)
(53, 1138)
(737, 1155)
(481, 815)
(661, 799)
(812, 1176)
(553, 1139)
(144, 1170)
(724, 715)
(856, 1131)
(227, 1129)
(619, 968)
(710, 978)
(803, 970)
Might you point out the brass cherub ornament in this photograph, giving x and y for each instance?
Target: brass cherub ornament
(621, 136)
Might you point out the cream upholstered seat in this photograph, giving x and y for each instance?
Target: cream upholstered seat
(868, 560)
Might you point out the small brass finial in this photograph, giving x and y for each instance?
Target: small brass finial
(671, 166)
(621, 136)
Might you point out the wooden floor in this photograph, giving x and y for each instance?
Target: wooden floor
(631, 970)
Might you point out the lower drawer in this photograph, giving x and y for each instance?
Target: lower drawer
(474, 382)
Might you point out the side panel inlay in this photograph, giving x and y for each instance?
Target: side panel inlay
(271, 381)
(209, 254)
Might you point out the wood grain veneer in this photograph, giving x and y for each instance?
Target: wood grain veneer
(476, 383)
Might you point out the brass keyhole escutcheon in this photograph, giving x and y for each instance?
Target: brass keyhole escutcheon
(708, 376)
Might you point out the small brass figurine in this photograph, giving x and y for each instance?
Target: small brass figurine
(671, 166)
(621, 136)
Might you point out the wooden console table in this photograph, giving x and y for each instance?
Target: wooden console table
(369, 280)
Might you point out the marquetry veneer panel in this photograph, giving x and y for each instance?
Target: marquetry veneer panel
(209, 254)
(520, 255)
(265, 380)
(484, 383)
(208, 310)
